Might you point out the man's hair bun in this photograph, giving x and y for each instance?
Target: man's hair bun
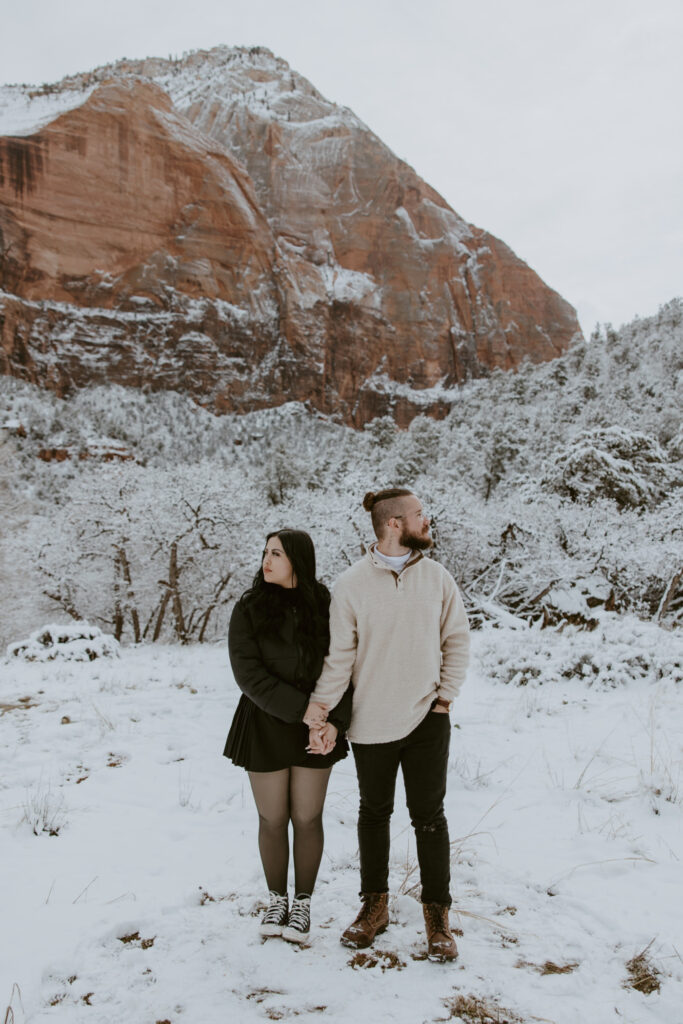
(382, 505)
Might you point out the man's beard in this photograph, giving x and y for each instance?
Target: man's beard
(414, 541)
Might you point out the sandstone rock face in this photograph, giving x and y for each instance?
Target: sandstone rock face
(216, 226)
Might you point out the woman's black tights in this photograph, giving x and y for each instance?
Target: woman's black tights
(296, 795)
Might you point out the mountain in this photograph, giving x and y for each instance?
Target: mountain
(216, 227)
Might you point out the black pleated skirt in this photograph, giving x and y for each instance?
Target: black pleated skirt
(261, 743)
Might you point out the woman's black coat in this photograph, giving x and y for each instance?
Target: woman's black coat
(271, 666)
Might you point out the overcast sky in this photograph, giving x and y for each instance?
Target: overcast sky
(554, 124)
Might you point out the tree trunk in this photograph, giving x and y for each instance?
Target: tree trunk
(118, 611)
(173, 574)
(118, 621)
(125, 572)
(669, 595)
(160, 616)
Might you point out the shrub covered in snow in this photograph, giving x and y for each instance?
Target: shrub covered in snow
(72, 642)
(619, 651)
(626, 466)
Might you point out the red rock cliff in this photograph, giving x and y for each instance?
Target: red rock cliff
(216, 226)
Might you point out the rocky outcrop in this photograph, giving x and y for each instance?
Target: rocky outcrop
(216, 226)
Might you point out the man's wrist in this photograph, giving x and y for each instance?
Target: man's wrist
(443, 703)
(314, 713)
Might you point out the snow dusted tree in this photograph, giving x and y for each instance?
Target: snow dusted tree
(504, 445)
(627, 466)
(142, 552)
(382, 430)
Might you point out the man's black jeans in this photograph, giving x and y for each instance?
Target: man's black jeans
(423, 757)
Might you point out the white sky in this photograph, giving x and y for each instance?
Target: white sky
(555, 125)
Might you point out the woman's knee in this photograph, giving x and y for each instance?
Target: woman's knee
(273, 823)
(302, 820)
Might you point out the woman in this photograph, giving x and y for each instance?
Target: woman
(279, 636)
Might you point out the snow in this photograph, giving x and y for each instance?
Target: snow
(383, 384)
(24, 111)
(402, 214)
(67, 642)
(564, 804)
(348, 285)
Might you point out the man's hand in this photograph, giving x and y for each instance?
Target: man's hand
(316, 715)
(439, 709)
(322, 741)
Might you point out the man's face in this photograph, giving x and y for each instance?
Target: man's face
(415, 530)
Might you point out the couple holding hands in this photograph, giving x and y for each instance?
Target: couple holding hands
(380, 663)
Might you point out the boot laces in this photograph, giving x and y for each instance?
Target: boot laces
(277, 909)
(371, 909)
(438, 918)
(300, 914)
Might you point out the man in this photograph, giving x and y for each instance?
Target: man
(399, 631)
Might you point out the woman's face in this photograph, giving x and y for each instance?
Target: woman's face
(277, 568)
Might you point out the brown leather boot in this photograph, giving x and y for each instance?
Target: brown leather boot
(441, 945)
(372, 919)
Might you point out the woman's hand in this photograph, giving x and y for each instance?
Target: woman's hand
(316, 715)
(322, 740)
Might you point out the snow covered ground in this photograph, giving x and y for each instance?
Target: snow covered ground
(564, 803)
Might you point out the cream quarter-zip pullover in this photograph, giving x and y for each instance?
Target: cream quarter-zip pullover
(401, 638)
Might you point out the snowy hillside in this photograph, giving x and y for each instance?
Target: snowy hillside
(554, 491)
(136, 886)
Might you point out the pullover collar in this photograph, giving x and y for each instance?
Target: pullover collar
(415, 557)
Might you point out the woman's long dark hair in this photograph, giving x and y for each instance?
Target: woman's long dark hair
(268, 601)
